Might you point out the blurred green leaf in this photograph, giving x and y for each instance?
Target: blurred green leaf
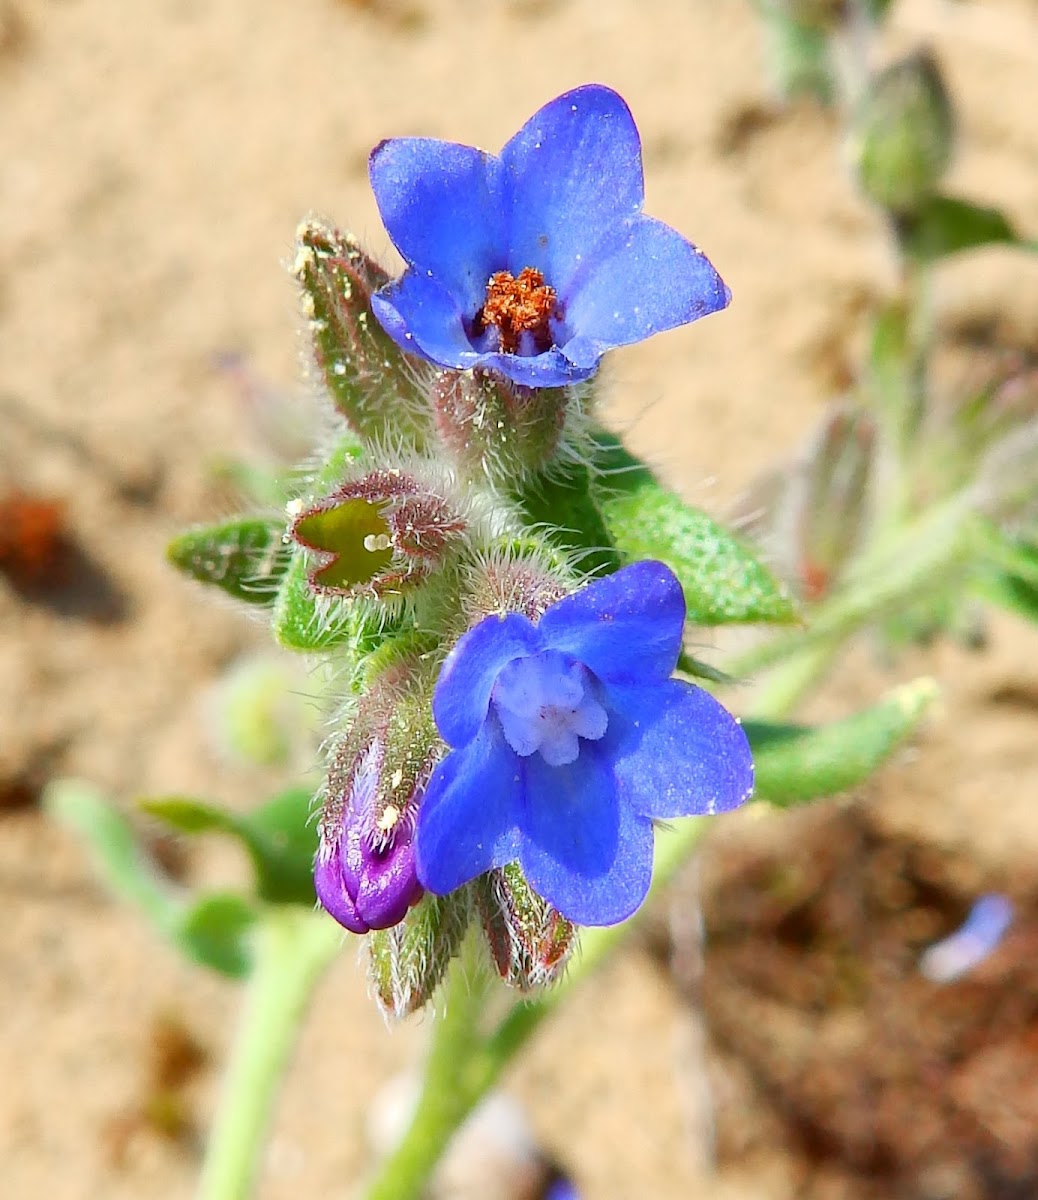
(279, 836)
(212, 930)
(217, 927)
(722, 578)
(245, 557)
(1007, 573)
(945, 225)
(797, 763)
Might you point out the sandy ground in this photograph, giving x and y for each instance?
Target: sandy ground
(156, 159)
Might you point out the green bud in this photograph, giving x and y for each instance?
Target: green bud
(834, 510)
(495, 429)
(378, 389)
(407, 962)
(530, 941)
(902, 134)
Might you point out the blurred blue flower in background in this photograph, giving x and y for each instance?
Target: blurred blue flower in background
(535, 262)
(569, 739)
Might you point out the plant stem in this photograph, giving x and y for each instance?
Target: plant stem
(451, 1088)
(293, 948)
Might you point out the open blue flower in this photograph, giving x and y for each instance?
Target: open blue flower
(535, 262)
(569, 740)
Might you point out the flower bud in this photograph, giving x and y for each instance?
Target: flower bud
(379, 390)
(407, 962)
(834, 504)
(364, 873)
(529, 940)
(902, 134)
(520, 580)
(380, 534)
(494, 428)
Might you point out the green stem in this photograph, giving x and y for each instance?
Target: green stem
(463, 1065)
(293, 949)
(451, 1087)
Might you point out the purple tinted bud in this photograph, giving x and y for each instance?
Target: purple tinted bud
(365, 871)
(977, 937)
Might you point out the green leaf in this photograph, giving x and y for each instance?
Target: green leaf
(722, 578)
(797, 763)
(117, 857)
(279, 836)
(1007, 574)
(945, 225)
(210, 929)
(565, 506)
(217, 929)
(245, 557)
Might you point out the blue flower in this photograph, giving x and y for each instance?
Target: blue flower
(536, 261)
(569, 740)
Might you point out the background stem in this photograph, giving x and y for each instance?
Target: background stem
(293, 948)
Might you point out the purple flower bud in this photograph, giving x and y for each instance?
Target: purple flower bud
(364, 875)
(364, 872)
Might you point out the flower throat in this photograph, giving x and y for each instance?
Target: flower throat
(516, 305)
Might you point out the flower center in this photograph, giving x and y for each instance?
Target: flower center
(520, 308)
(545, 702)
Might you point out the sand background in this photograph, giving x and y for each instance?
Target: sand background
(155, 161)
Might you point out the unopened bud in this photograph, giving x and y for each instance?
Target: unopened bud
(493, 428)
(519, 579)
(834, 506)
(530, 941)
(379, 391)
(902, 134)
(380, 534)
(364, 874)
(407, 962)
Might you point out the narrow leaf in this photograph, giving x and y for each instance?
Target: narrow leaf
(797, 763)
(245, 557)
(945, 225)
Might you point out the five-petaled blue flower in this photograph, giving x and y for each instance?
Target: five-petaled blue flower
(569, 740)
(534, 262)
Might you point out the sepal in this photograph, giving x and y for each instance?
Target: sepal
(530, 941)
(407, 962)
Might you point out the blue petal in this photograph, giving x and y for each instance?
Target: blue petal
(467, 822)
(584, 849)
(422, 318)
(575, 172)
(682, 754)
(442, 204)
(626, 627)
(646, 280)
(550, 369)
(467, 677)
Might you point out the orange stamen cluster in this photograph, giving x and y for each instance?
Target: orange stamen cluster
(519, 304)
